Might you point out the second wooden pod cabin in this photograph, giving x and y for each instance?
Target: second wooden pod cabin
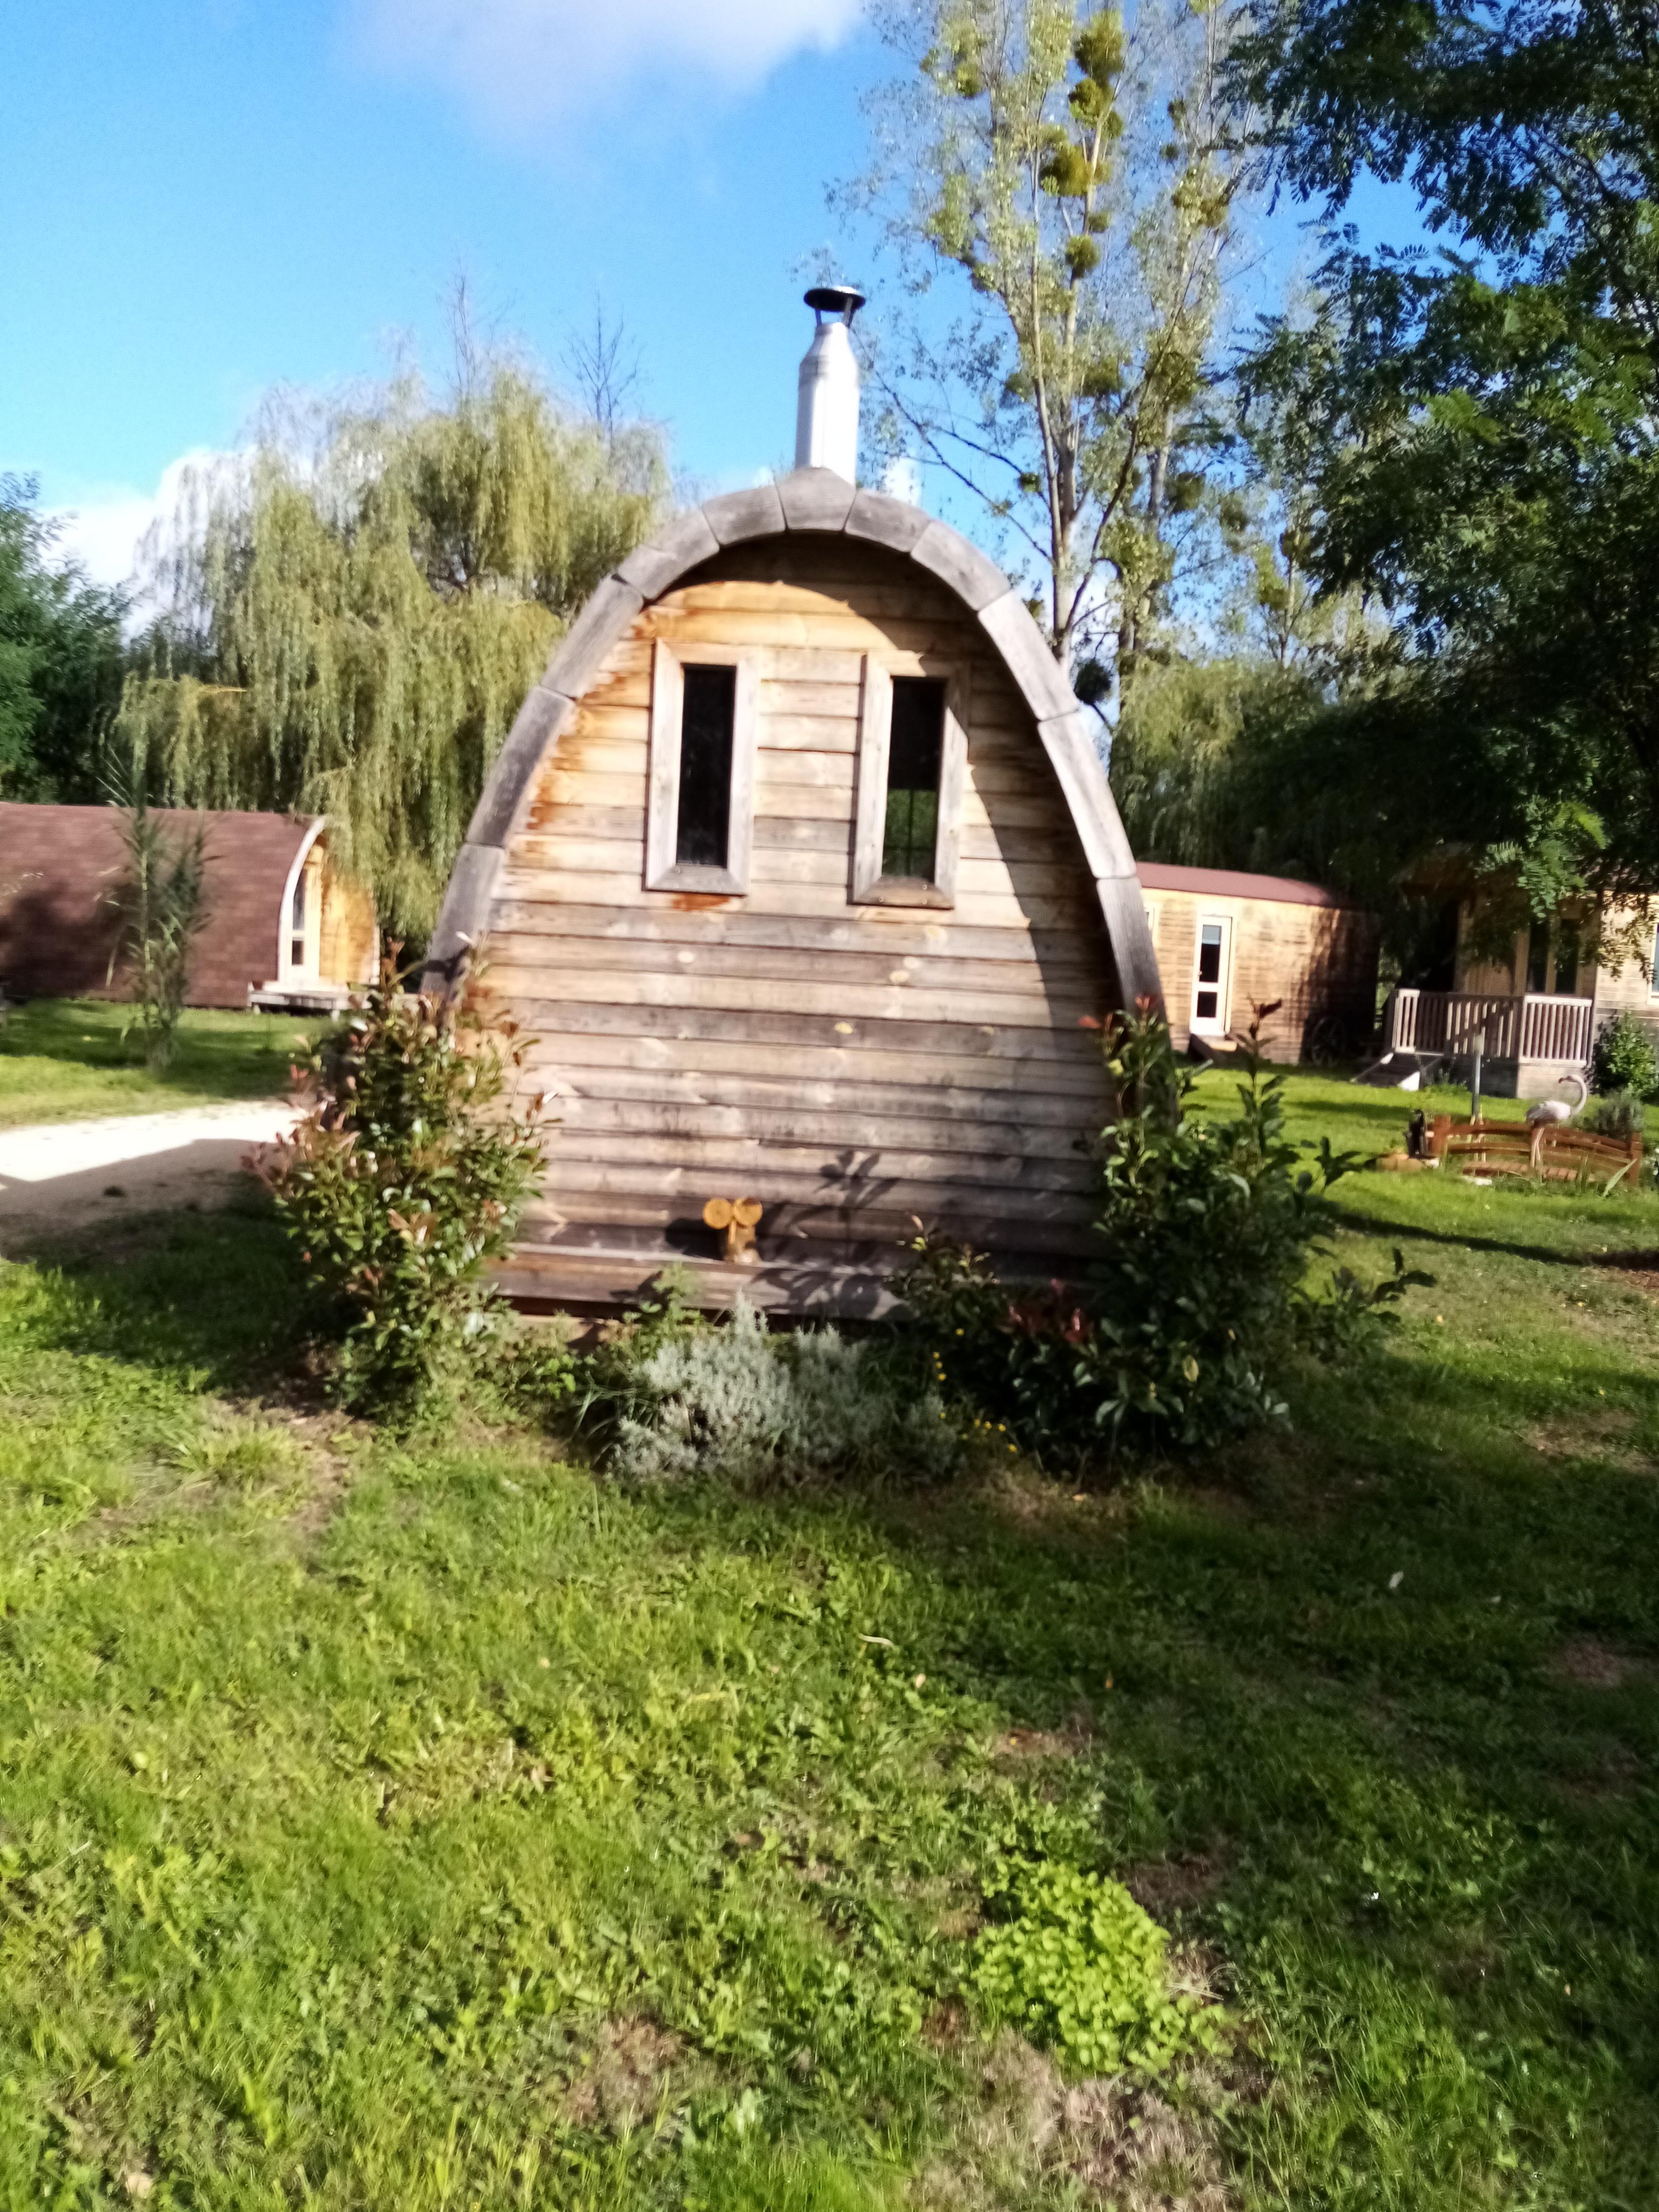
(800, 865)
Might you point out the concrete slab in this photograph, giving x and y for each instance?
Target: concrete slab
(64, 1175)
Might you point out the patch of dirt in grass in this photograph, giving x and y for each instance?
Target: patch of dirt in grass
(1589, 1664)
(1599, 1433)
(1166, 1886)
(1616, 1773)
(635, 2067)
(1019, 1746)
(1039, 1501)
(1639, 1267)
(1105, 2141)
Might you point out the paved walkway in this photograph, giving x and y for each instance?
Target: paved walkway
(64, 1174)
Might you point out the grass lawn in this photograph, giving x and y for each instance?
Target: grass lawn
(431, 1824)
(63, 1060)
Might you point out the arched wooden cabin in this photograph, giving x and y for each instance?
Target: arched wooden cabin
(284, 927)
(800, 863)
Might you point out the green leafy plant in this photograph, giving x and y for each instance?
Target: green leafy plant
(1623, 1059)
(1080, 1967)
(404, 1181)
(161, 908)
(1340, 1319)
(1175, 1328)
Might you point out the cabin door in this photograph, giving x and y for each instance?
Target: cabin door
(1212, 974)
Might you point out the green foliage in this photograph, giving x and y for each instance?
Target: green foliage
(1616, 1113)
(1480, 423)
(402, 1181)
(1196, 769)
(684, 1397)
(60, 660)
(1076, 1965)
(1076, 178)
(353, 618)
(161, 908)
(1623, 1059)
(1177, 1330)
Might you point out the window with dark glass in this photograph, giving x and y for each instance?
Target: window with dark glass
(916, 756)
(702, 831)
(1207, 1003)
(296, 951)
(1538, 958)
(1566, 959)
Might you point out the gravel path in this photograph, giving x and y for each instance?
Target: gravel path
(66, 1174)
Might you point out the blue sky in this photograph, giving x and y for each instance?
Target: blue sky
(202, 198)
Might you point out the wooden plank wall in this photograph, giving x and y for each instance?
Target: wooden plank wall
(850, 1067)
(1317, 959)
(350, 940)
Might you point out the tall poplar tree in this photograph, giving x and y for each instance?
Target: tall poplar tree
(352, 614)
(1081, 177)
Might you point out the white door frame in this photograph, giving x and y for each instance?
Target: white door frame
(1216, 1024)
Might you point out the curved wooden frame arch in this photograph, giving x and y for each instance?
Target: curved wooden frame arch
(818, 500)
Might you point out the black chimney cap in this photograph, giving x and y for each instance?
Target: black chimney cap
(835, 300)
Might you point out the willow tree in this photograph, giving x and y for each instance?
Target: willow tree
(1082, 178)
(351, 616)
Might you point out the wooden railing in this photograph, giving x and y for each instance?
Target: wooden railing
(1521, 1026)
(1554, 1151)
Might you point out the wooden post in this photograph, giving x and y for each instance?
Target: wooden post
(1439, 1136)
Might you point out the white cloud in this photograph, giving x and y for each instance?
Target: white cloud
(515, 63)
(104, 529)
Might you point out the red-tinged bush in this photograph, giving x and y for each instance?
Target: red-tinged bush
(403, 1180)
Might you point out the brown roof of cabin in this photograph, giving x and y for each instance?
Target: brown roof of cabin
(58, 864)
(1230, 883)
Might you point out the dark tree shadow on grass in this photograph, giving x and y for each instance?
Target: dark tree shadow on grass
(217, 1296)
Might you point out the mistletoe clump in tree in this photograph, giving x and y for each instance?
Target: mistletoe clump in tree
(1082, 177)
(355, 612)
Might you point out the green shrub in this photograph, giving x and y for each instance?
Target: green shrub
(1177, 1327)
(676, 1395)
(1078, 1968)
(1614, 1114)
(1623, 1058)
(402, 1182)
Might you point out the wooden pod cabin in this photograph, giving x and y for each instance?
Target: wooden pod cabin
(800, 865)
(1228, 942)
(285, 927)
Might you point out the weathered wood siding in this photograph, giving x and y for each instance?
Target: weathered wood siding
(351, 937)
(1317, 960)
(851, 1067)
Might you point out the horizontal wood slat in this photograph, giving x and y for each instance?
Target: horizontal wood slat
(738, 995)
(890, 932)
(881, 1205)
(889, 1037)
(1059, 1119)
(837, 1128)
(627, 1043)
(519, 949)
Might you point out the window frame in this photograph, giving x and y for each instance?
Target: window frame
(663, 871)
(1220, 1023)
(869, 886)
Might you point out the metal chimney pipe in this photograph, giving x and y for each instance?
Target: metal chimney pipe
(827, 407)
